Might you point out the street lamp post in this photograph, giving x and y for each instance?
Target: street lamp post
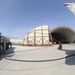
(0, 41)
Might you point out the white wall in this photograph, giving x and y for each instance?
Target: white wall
(16, 41)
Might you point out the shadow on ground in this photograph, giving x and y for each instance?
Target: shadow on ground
(1, 57)
(70, 59)
(9, 53)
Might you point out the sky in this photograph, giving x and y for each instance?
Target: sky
(17, 17)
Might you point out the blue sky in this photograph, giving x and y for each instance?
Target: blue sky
(17, 17)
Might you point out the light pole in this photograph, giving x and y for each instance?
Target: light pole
(0, 41)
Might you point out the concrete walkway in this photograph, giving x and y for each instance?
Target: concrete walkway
(21, 60)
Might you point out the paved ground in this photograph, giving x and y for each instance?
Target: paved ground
(38, 61)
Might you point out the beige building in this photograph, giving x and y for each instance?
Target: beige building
(43, 35)
(38, 36)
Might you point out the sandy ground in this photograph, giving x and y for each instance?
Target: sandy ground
(47, 60)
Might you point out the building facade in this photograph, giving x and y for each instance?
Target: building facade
(44, 36)
(38, 36)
